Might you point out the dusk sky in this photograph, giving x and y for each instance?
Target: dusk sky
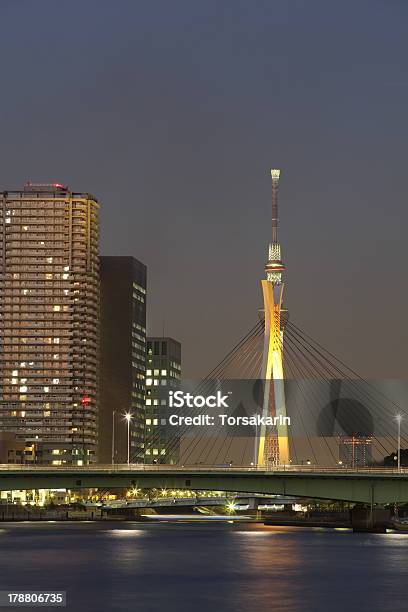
(172, 113)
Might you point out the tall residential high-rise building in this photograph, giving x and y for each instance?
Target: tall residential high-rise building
(163, 373)
(123, 358)
(49, 321)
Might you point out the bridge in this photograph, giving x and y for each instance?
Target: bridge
(368, 486)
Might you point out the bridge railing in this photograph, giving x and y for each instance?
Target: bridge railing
(135, 468)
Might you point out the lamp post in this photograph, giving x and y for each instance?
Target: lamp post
(399, 419)
(256, 442)
(128, 418)
(113, 436)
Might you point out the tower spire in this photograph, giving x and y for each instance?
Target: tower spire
(274, 266)
(275, 174)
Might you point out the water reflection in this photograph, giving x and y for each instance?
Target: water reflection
(201, 567)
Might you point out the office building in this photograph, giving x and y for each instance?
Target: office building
(123, 358)
(49, 323)
(163, 373)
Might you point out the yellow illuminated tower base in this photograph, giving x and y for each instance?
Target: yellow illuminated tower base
(273, 443)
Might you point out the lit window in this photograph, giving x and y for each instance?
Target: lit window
(164, 372)
(66, 268)
(55, 381)
(155, 451)
(148, 451)
(57, 462)
(148, 372)
(163, 451)
(47, 413)
(25, 227)
(65, 276)
(148, 421)
(56, 308)
(23, 389)
(55, 356)
(48, 276)
(22, 413)
(148, 382)
(56, 340)
(14, 381)
(49, 259)
(156, 372)
(155, 421)
(148, 402)
(15, 373)
(46, 389)
(55, 451)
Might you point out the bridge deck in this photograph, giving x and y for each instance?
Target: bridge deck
(369, 485)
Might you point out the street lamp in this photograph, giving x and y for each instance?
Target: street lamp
(399, 419)
(113, 436)
(128, 418)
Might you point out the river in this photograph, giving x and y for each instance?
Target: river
(206, 567)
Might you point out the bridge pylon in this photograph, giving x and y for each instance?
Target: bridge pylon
(273, 442)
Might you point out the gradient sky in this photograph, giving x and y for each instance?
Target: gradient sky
(172, 113)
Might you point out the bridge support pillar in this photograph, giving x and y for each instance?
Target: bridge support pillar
(372, 519)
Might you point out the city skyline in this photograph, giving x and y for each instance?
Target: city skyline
(204, 400)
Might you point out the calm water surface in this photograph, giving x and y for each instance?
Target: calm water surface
(203, 567)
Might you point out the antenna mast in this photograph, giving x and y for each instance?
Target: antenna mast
(274, 266)
(275, 174)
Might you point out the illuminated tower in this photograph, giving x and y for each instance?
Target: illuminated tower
(273, 446)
